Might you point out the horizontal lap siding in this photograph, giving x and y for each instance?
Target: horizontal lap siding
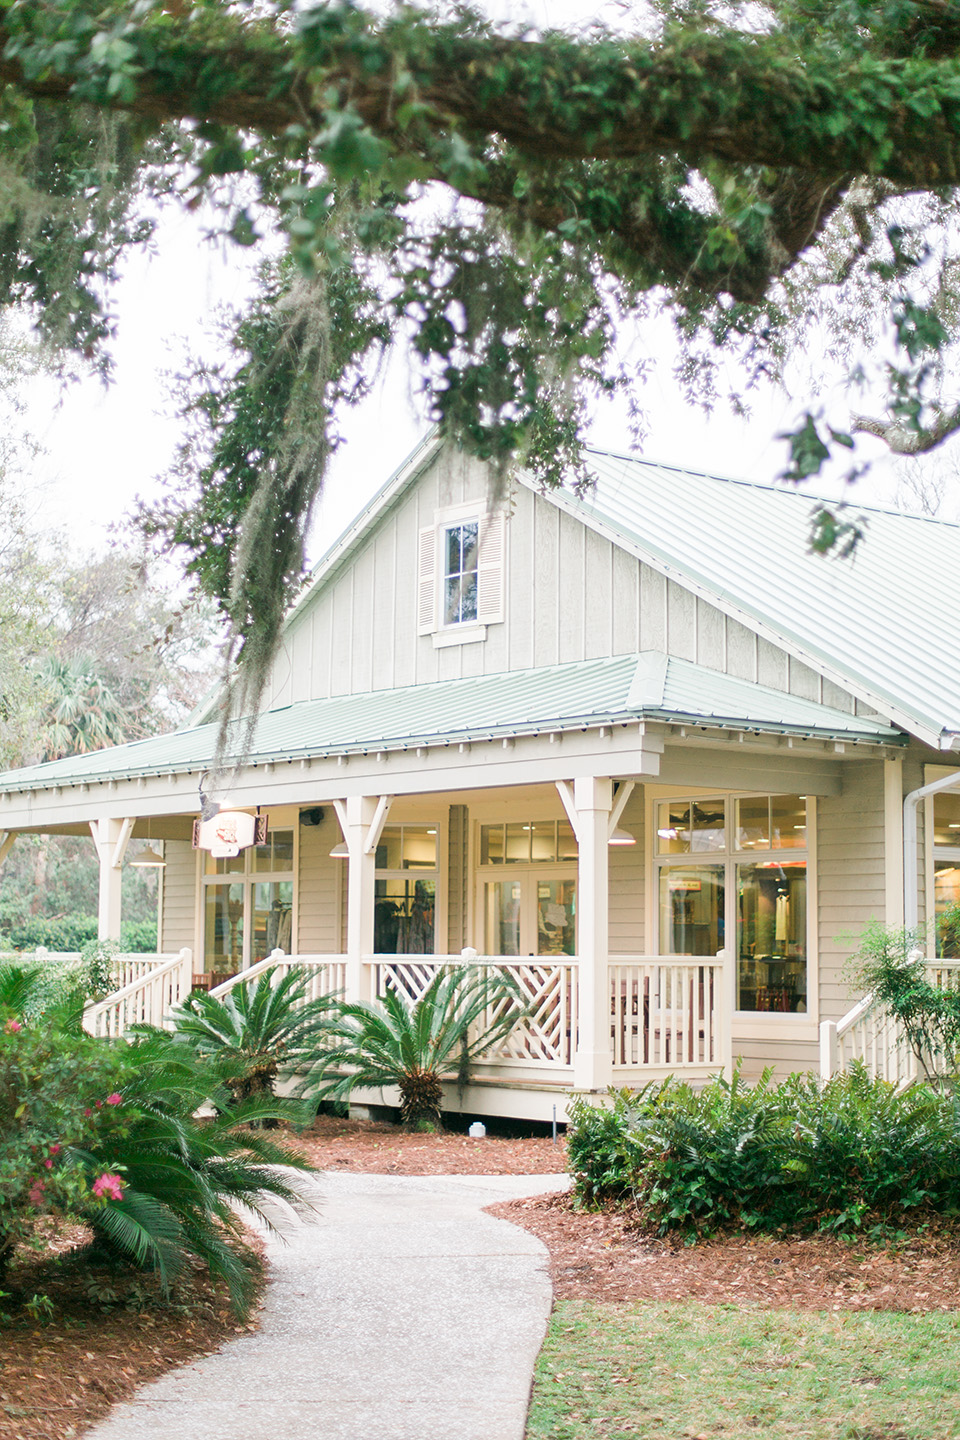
(786, 1056)
(320, 882)
(178, 920)
(627, 884)
(851, 880)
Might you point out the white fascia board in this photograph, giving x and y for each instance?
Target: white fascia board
(416, 462)
(421, 456)
(924, 727)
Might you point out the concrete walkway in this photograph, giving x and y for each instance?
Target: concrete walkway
(400, 1312)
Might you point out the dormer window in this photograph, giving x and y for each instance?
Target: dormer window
(460, 575)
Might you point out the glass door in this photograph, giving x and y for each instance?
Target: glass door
(530, 914)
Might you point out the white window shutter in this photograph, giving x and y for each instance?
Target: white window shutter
(491, 569)
(427, 581)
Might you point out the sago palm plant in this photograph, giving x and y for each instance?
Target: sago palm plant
(463, 1014)
(260, 1031)
(179, 1179)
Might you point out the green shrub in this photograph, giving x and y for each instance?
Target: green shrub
(56, 1091)
(890, 965)
(68, 933)
(849, 1155)
(138, 937)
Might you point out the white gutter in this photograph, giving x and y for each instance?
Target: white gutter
(911, 898)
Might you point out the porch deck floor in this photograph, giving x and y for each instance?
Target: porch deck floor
(399, 1311)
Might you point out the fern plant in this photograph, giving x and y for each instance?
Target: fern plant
(260, 1031)
(416, 1045)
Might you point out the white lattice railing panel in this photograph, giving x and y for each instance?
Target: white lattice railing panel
(869, 1035)
(667, 1012)
(546, 1035)
(146, 1000)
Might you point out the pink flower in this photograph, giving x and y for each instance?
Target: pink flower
(99, 1104)
(55, 1149)
(35, 1193)
(12, 1026)
(48, 1164)
(88, 1112)
(108, 1185)
(114, 1099)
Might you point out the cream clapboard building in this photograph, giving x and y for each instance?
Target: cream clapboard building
(643, 749)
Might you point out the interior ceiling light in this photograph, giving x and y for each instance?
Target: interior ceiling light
(149, 858)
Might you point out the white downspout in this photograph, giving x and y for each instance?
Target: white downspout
(911, 901)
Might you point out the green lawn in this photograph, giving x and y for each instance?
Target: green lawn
(609, 1372)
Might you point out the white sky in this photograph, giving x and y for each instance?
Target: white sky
(106, 446)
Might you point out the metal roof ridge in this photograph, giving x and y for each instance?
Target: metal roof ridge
(771, 487)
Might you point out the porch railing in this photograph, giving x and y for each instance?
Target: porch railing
(868, 1034)
(547, 1033)
(328, 973)
(669, 1013)
(145, 1000)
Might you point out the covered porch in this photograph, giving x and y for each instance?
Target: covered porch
(638, 855)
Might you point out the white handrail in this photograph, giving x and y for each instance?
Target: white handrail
(150, 989)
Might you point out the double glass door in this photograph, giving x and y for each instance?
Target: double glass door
(530, 914)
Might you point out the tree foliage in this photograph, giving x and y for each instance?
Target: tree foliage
(500, 201)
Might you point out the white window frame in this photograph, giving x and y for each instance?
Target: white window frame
(248, 877)
(749, 1024)
(491, 574)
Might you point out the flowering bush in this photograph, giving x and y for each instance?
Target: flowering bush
(60, 1095)
(106, 1132)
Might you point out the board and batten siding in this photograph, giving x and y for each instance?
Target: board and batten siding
(178, 920)
(320, 889)
(571, 595)
(851, 887)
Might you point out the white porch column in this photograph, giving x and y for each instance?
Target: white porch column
(361, 820)
(593, 1065)
(110, 836)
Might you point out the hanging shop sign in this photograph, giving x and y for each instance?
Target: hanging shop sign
(229, 832)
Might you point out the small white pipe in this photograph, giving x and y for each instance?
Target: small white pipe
(911, 897)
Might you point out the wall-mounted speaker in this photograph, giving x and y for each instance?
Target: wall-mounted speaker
(311, 817)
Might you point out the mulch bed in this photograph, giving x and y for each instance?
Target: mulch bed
(603, 1255)
(375, 1148)
(111, 1331)
(57, 1379)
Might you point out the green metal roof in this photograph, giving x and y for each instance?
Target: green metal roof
(882, 622)
(553, 698)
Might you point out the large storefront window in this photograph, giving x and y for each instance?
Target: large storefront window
(404, 915)
(754, 887)
(946, 874)
(247, 906)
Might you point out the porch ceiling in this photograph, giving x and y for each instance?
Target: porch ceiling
(574, 697)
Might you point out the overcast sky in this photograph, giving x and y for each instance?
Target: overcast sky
(107, 446)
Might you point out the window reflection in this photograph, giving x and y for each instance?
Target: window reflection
(771, 929)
